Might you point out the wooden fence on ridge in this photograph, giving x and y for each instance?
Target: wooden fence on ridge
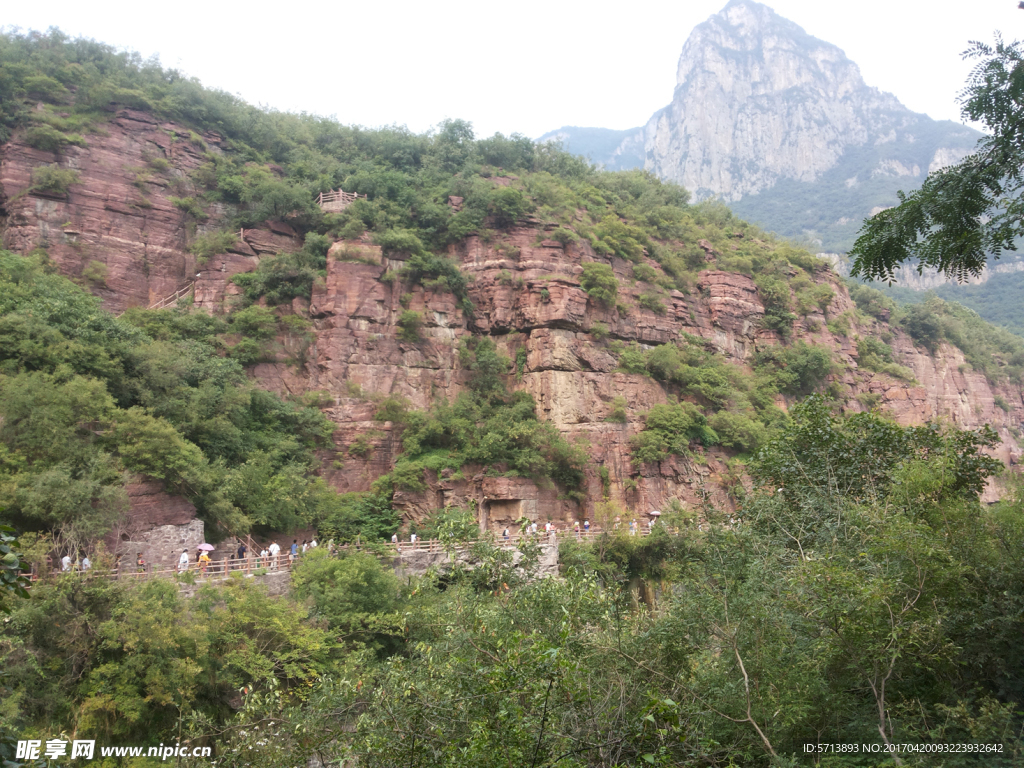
(336, 201)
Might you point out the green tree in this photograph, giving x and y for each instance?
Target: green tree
(965, 212)
(600, 283)
(13, 580)
(355, 593)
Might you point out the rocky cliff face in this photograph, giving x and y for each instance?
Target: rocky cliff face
(572, 375)
(120, 216)
(758, 100)
(527, 294)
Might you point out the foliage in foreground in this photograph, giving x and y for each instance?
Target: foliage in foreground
(864, 596)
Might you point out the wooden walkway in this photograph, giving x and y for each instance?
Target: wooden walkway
(254, 564)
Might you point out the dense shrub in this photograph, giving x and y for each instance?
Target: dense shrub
(924, 327)
(486, 425)
(49, 139)
(875, 355)
(799, 369)
(612, 237)
(210, 244)
(254, 322)
(438, 273)
(285, 276)
(652, 302)
(53, 180)
(600, 283)
(165, 404)
(738, 431)
(409, 324)
(671, 429)
(507, 205)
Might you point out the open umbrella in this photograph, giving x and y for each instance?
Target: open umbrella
(206, 547)
(654, 514)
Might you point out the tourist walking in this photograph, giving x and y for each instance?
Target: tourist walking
(275, 551)
(183, 561)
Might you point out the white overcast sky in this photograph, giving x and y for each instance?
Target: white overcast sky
(525, 66)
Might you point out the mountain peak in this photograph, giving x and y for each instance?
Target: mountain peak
(778, 45)
(760, 104)
(759, 100)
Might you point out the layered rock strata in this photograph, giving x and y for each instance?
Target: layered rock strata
(532, 301)
(120, 214)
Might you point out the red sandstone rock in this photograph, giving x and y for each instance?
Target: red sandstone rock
(120, 211)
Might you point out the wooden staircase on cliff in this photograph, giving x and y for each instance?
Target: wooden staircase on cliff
(170, 301)
(174, 297)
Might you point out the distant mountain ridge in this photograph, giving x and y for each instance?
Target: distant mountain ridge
(781, 126)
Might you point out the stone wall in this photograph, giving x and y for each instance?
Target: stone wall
(158, 525)
(411, 563)
(276, 582)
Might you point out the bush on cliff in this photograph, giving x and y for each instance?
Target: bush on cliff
(600, 283)
(53, 180)
(486, 425)
(670, 429)
(286, 276)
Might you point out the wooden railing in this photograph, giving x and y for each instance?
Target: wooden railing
(283, 562)
(551, 537)
(215, 568)
(173, 298)
(337, 200)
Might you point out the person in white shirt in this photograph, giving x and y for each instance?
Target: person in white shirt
(412, 538)
(65, 563)
(275, 550)
(183, 561)
(86, 563)
(262, 561)
(312, 544)
(394, 539)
